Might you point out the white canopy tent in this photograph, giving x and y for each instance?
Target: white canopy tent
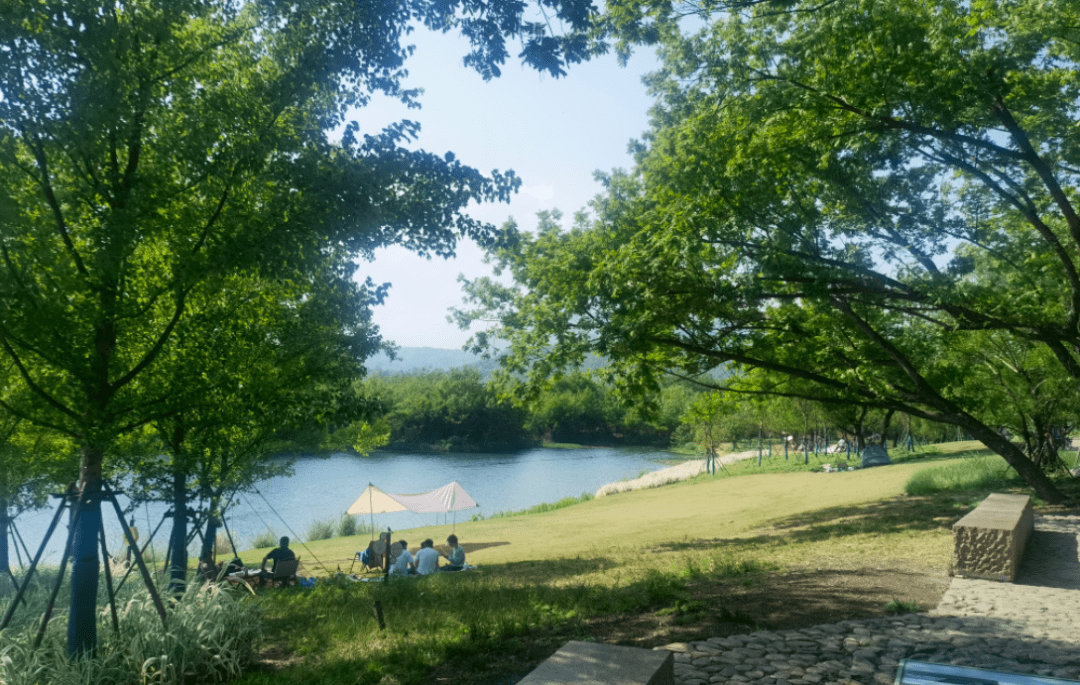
(450, 497)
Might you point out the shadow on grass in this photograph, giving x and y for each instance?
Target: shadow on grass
(902, 514)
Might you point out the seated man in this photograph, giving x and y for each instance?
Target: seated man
(456, 556)
(403, 564)
(427, 559)
(280, 553)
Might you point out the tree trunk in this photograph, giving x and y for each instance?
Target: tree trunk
(178, 542)
(211, 530)
(5, 562)
(1039, 482)
(85, 565)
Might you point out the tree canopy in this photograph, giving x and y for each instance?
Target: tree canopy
(840, 193)
(151, 152)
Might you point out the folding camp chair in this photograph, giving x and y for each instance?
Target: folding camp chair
(372, 558)
(285, 572)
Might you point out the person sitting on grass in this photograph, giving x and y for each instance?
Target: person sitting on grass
(427, 559)
(456, 557)
(280, 553)
(403, 564)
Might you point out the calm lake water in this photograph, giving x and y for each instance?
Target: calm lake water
(322, 489)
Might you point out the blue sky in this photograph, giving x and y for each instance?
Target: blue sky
(554, 133)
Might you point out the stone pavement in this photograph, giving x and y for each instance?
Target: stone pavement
(1030, 626)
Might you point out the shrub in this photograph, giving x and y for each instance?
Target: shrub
(213, 633)
(899, 606)
(265, 539)
(321, 530)
(347, 526)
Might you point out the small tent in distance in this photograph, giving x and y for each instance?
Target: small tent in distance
(875, 455)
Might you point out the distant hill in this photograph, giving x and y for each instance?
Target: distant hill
(409, 359)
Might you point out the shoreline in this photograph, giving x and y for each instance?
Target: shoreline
(691, 468)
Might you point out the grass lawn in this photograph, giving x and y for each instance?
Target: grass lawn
(713, 556)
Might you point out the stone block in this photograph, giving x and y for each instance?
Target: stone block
(590, 663)
(989, 542)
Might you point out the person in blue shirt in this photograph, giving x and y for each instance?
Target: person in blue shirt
(404, 563)
(456, 557)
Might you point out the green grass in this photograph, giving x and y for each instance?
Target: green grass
(971, 472)
(546, 576)
(539, 508)
(550, 573)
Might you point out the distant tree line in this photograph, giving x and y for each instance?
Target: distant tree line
(458, 410)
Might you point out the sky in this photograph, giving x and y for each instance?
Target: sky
(554, 133)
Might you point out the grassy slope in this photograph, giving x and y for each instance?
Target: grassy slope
(702, 509)
(638, 558)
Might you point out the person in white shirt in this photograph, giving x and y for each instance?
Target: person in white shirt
(427, 559)
(404, 562)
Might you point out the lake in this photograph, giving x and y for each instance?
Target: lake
(323, 488)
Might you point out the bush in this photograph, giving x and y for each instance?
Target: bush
(213, 633)
(347, 526)
(321, 530)
(267, 539)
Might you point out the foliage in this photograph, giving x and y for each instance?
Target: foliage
(265, 540)
(165, 159)
(973, 473)
(321, 530)
(347, 526)
(214, 633)
(838, 193)
(895, 607)
(447, 410)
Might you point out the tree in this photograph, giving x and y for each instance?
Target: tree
(835, 192)
(447, 410)
(149, 151)
(33, 464)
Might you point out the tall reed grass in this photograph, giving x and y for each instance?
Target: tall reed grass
(211, 633)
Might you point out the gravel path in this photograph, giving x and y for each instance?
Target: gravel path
(1031, 626)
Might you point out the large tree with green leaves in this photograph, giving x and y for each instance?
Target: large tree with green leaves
(151, 150)
(837, 192)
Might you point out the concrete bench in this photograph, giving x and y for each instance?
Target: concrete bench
(989, 542)
(590, 663)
